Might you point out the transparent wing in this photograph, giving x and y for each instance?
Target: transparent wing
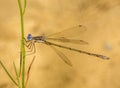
(65, 40)
(62, 56)
(70, 32)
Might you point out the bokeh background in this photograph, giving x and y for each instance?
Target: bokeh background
(100, 17)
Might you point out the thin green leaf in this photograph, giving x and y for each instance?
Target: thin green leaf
(8, 73)
(17, 75)
(20, 64)
(25, 3)
(28, 72)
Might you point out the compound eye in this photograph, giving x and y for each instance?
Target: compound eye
(29, 37)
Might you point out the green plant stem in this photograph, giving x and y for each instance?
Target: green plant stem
(22, 43)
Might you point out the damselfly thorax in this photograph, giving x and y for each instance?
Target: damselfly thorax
(39, 39)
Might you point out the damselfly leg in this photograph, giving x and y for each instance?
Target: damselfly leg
(31, 46)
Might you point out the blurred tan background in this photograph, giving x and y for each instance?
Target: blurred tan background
(100, 17)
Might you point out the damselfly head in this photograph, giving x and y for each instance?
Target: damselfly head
(29, 37)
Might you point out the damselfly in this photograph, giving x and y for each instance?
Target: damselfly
(61, 37)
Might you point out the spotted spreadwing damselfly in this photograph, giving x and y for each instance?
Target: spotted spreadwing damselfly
(61, 37)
